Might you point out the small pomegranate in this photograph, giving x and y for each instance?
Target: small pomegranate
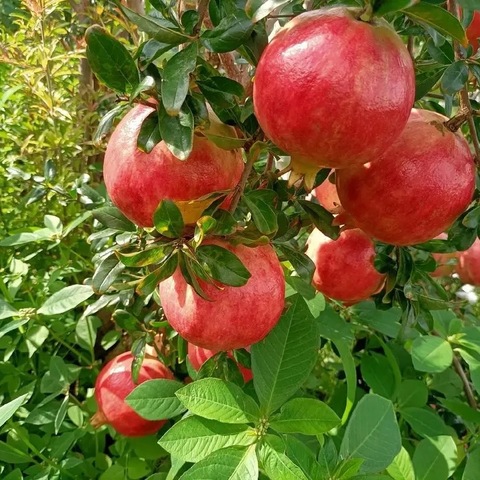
(236, 317)
(473, 31)
(468, 267)
(445, 264)
(198, 356)
(114, 383)
(327, 196)
(325, 86)
(344, 267)
(416, 189)
(137, 181)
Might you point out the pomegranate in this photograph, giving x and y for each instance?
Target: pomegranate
(237, 316)
(468, 267)
(114, 383)
(137, 181)
(473, 31)
(416, 189)
(325, 86)
(344, 267)
(327, 196)
(198, 356)
(445, 264)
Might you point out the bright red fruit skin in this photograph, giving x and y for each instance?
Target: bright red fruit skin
(445, 266)
(236, 317)
(327, 196)
(473, 31)
(344, 267)
(326, 85)
(114, 383)
(468, 267)
(198, 356)
(137, 182)
(416, 189)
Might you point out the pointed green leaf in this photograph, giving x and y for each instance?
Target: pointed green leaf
(8, 409)
(66, 299)
(168, 220)
(177, 132)
(165, 270)
(402, 467)
(277, 465)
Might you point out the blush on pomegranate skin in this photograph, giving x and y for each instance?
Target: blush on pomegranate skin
(237, 317)
(416, 189)
(198, 356)
(114, 384)
(137, 181)
(327, 196)
(473, 31)
(326, 85)
(468, 267)
(344, 269)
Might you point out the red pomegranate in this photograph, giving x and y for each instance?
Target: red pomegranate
(416, 189)
(473, 31)
(198, 356)
(445, 261)
(327, 196)
(137, 181)
(114, 383)
(468, 267)
(344, 267)
(237, 316)
(326, 85)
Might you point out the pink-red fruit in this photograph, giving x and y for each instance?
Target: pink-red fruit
(344, 267)
(327, 196)
(468, 267)
(236, 317)
(114, 383)
(332, 90)
(416, 189)
(198, 356)
(137, 181)
(473, 31)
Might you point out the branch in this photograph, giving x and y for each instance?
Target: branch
(243, 181)
(466, 383)
(202, 11)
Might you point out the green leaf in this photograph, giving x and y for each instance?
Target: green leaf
(278, 369)
(110, 60)
(348, 468)
(216, 399)
(372, 434)
(435, 458)
(472, 466)
(152, 255)
(231, 463)
(264, 216)
(223, 265)
(165, 270)
(6, 310)
(106, 273)
(229, 34)
(402, 467)
(221, 91)
(305, 415)
(425, 422)
(106, 122)
(168, 219)
(27, 237)
(321, 218)
(194, 438)
(389, 6)
(112, 217)
(66, 299)
(438, 18)
(61, 413)
(177, 132)
(176, 78)
(277, 465)
(10, 454)
(302, 264)
(259, 9)
(454, 78)
(378, 374)
(412, 393)
(156, 400)
(149, 134)
(8, 409)
(431, 354)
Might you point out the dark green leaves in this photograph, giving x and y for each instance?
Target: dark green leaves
(111, 217)
(321, 218)
(454, 78)
(149, 134)
(261, 204)
(383, 7)
(168, 219)
(165, 270)
(259, 9)
(177, 131)
(110, 61)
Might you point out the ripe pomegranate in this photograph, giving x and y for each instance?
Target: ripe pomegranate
(114, 383)
(327, 196)
(344, 267)
(137, 181)
(416, 189)
(473, 31)
(198, 356)
(237, 316)
(445, 264)
(325, 86)
(468, 267)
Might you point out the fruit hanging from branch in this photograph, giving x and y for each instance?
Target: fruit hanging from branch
(235, 317)
(416, 189)
(325, 86)
(114, 384)
(137, 181)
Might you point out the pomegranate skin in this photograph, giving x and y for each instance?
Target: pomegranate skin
(137, 182)
(198, 356)
(416, 189)
(344, 267)
(473, 31)
(236, 317)
(445, 267)
(114, 383)
(326, 84)
(327, 196)
(468, 267)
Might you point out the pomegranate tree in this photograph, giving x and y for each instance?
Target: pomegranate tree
(114, 384)
(236, 317)
(344, 267)
(137, 181)
(416, 189)
(325, 86)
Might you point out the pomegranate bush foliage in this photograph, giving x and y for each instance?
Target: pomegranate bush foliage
(275, 276)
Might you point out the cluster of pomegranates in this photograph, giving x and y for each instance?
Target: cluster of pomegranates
(332, 91)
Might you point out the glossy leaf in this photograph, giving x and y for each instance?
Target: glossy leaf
(177, 132)
(149, 134)
(168, 219)
(259, 9)
(111, 217)
(66, 299)
(165, 270)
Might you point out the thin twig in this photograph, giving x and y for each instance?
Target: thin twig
(243, 181)
(202, 11)
(283, 171)
(466, 383)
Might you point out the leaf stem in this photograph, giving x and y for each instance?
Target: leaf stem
(466, 383)
(202, 11)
